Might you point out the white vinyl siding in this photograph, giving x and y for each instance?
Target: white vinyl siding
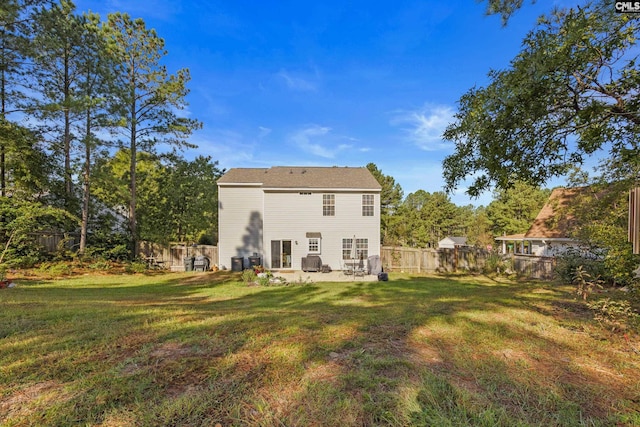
(240, 222)
(289, 216)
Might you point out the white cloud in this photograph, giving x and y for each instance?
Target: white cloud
(296, 83)
(424, 127)
(230, 148)
(263, 132)
(319, 141)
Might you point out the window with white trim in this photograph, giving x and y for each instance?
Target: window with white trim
(362, 248)
(328, 204)
(367, 204)
(314, 245)
(346, 248)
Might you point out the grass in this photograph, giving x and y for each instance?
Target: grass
(203, 349)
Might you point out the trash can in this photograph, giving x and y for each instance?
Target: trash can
(188, 263)
(237, 263)
(254, 261)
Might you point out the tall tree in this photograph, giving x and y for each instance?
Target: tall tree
(59, 40)
(479, 231)
(15, 34)
(390, 198)
(430, 217)
(178, 198)
(513, 209)
(95, 84)
(571, 91)
(181, 204)
(25, 161)
(147, 97)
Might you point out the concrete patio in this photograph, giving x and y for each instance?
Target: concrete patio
(292, 276)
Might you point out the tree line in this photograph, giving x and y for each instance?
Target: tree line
(422, 219)
(91, 127)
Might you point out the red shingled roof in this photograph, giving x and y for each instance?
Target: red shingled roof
(555, 219)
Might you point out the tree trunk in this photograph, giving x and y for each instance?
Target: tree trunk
(86, 186)
(133, 226)
(3, 179)
(67, 132)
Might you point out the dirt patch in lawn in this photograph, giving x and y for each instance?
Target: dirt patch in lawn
(31, 399)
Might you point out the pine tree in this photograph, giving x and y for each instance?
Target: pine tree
(147, 97)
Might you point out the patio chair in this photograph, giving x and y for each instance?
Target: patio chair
(347, 268)
(359, 270)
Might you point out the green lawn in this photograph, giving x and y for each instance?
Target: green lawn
(204, 349)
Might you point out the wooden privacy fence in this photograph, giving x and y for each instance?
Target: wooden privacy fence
(53, 241)
(172, 256)
(534, 267)
(399, 259)
(414, 260)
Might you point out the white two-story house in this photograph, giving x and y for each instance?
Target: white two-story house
(282, 214)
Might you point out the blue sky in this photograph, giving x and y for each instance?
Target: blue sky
(330, 83)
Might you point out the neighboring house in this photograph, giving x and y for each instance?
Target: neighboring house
(452, 242)
(550, 230)
(282, 214)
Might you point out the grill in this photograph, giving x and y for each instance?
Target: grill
(201, 263)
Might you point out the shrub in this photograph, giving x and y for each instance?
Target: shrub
(101, 265)
(585, 284)
(55, 269)
(568, 262)
(249, 276)
(614, 313)
(136, 267)
(494, 264)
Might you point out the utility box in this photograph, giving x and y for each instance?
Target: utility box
(188, 263)
(237, 263)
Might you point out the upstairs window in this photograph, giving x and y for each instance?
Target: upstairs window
(328, 205)
(367, 204)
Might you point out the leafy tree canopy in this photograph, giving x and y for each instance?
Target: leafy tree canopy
(391, 194)
(513, 210)
(572, 90)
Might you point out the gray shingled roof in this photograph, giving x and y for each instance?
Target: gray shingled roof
(302, 177)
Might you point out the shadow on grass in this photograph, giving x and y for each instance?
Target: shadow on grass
(196, 349)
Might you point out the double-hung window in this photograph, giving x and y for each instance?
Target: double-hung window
(346, 248)
(314, 245)
(361, 249)
(367, 204)
(328, 204)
